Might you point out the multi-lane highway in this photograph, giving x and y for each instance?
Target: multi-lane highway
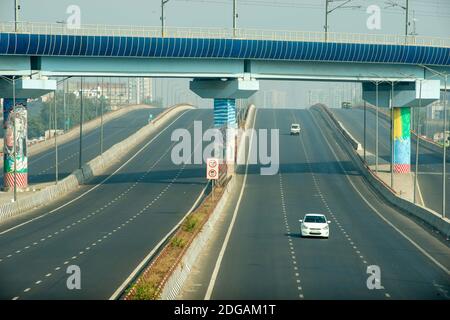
(259, 254)
(430, 163)
(41, 166)
(107, 227)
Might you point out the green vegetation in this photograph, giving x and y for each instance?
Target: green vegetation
(40, 121)
(177, 242)
(190, 223)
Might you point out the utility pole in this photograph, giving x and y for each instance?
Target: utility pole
(235, 16)
(328, 11)
(326, 20)
(392, 3)
(16, 14)
(163, 2)
(406, 18)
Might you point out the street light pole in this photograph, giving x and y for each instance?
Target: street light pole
(376, 130)
(14, 139)
(56, 143)
(444, 157)
(81, 125)
(101, 119)
(365, 111)
(64, 105)
(392, 135)
(417, 142)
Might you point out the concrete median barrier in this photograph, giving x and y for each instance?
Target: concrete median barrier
(96, 166)
(429, 216)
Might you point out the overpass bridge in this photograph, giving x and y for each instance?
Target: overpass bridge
(54, 50)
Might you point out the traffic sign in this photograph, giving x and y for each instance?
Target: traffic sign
(212, 168)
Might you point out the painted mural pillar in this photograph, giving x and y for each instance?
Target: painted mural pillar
(225, 120)
(402, 140)
(19, 118)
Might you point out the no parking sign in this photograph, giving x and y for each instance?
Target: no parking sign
(212, 169)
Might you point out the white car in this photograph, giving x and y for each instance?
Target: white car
(295, 128)
(315, 225)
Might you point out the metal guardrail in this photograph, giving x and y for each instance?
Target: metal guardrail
(219, 33)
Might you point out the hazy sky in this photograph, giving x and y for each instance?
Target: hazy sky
(433, 16)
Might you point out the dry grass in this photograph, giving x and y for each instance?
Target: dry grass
(148, 285)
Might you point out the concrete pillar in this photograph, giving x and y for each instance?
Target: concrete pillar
(19, 117)
(402, 140)
(225, 119)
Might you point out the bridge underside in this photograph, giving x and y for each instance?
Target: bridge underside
(215, 68)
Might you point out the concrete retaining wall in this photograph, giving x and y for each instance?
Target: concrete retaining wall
(429, 216)
(94, 167)
(175, 281)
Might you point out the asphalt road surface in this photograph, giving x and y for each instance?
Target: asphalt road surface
(262, 256)
(108, 230)
(41, 166)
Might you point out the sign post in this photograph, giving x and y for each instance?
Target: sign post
(212, 171)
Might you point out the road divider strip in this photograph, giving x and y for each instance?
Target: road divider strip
(94, 167)
(429, 216)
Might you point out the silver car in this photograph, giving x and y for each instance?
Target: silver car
(295, 128)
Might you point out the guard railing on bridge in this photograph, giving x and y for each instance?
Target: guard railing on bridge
(219, 33)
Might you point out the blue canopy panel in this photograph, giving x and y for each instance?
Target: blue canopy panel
(116, 46)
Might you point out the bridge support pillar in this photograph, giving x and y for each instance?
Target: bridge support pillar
(15, 156)
(225, 121)
(402, 140)
(225, 92)
(15, 117)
